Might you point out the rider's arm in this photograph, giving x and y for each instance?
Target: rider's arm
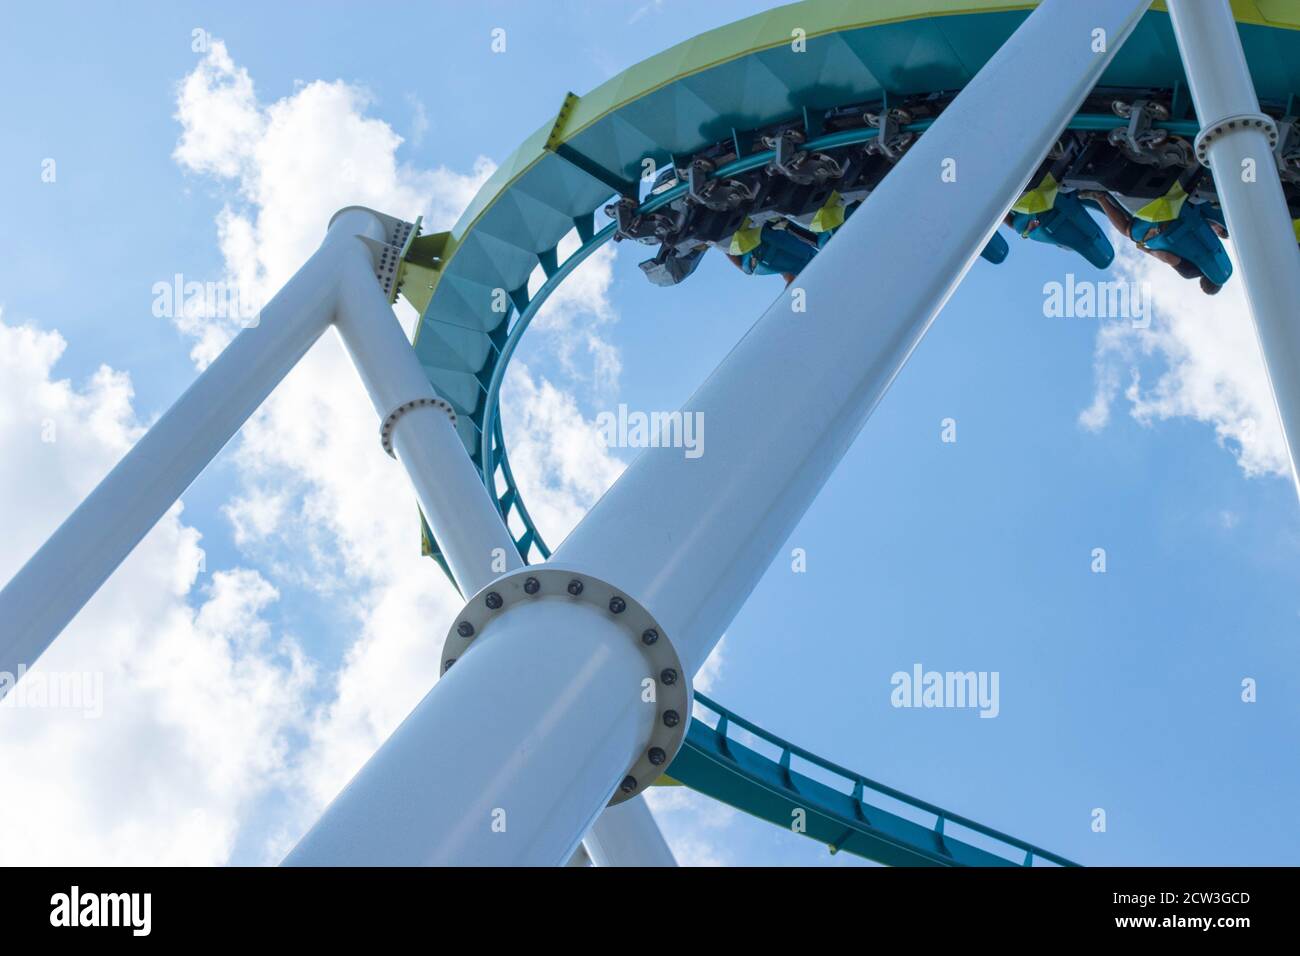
(1119, 218)
(1163, 255)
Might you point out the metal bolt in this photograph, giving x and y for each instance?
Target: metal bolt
(672, 718)
(628, 784)
(617, 604)
(649, 636)
(657, 755)
(465, 629)
(532, 585)
(575, 588)
(668, 675)
(493, 600)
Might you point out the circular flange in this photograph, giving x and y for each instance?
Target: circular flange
(1231, 124)
(390, 420)
(673, 695)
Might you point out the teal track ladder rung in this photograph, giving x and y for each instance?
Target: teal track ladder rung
(785, 771)
(859, 818)
(938, 838)
(721, 732)
(859, 805)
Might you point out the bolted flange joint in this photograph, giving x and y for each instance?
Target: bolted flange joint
(673, 695)
(390, 254)
(390, 420)
(1212, 132)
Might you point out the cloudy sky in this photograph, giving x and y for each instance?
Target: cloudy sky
(280, 622)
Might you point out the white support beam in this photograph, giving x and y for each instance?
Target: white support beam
(580, 857)
(484, 774)
(627, 835)
(420, 431)
(1237, 144)
(337, 282)
(49, 590)
(542, 715)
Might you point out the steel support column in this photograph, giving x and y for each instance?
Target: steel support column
(537, 723)
(337, 282)
(1237, 142)
(627, 835)
(419, 430)
(48, 591)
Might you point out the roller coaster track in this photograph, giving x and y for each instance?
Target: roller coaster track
(489, 452)
(856, 818)
(472, 288)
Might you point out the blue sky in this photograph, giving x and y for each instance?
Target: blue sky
(240, 696)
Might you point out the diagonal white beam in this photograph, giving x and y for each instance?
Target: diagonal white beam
(545, 702)
(627, 835)
(471, 533)
(337, 282)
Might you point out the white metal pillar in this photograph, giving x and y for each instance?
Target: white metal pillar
(419, 429)
(627, 835)
(1236, 142)
(580, 857)
(337, 281)
(476, 543)
(52, 586)
(545, 705)
(498, 773)
(337, 284)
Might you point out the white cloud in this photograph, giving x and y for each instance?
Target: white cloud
(292, 164)
(654, 6)
(197, 702)
(254, 517)
(694, 825)
(576, 315)
(1210, 367)
(224, 141)
(711, 669)
(419, 118)
(555, 454)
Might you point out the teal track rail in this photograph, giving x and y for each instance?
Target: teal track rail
(857, 818)
(737, 78)
(861, 817)
(490, 456)
(865, 818)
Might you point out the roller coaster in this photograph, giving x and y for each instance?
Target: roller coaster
(825, 119)
(735, 129)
